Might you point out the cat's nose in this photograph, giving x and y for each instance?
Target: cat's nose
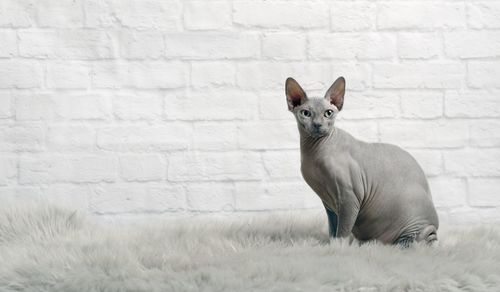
(316, 126)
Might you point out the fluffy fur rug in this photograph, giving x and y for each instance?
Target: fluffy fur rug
(51, 249)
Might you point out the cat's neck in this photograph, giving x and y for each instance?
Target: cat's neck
(309, 143)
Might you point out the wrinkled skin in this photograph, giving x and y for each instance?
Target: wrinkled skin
(375, 191)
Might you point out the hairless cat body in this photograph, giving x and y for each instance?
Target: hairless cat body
(375, 191)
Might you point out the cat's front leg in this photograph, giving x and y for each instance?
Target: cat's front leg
(333, 221)
(348, 213)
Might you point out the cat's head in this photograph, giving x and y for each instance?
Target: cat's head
(315, 115)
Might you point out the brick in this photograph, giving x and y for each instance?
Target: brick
(352, 16)
(471, 162)
(17, 13)
(60, 14)
(371, 105)
(431, 161)
(57, 168)
(142, 167)
(478, 104)
(148, 14)
(352, 45)
(277, 14)
(207, 15)
(416, 45)
(483, 15)
(485, 133)
(282, 164)
(8, 39)
(358, 75)
(363, 130)
(98, 13)
(20, 74)
(34, 106)
(66, 44)
(138, 106)
(463, 44)
(22, 137)
(55, 106)
(215, 136)
(205, 74)
(211, 197)
(213, 166)
(488, 214)
(483, 74)
(268, 135)
(268, 75)
(422, 105)
(5, 105)
(68, 75)
(465, 215)
(71, 137)
(8, 169)
(211, 105)
(284, 46)
(17, 194)
(216, 45)
(420, 15)
(144, 137)
(68, 196)
(142, 75)
(448, 192)
(135, 198)
(260, 196)
(273, 107)
(141, 45)
(418, 75)
(483, 192)
(424, 134)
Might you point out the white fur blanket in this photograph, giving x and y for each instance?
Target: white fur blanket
(50, 249)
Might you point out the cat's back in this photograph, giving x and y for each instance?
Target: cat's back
(389, 159)
(383, 161)
(344, 154)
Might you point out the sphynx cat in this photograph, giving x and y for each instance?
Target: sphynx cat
(375, 191)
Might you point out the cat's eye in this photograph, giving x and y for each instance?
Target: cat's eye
(328, 113)
(305, 113)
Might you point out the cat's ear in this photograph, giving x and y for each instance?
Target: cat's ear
(335, 93)
(295, 95)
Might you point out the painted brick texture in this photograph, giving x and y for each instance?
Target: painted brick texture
(152, 106)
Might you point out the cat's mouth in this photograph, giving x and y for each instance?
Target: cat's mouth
(317, 133)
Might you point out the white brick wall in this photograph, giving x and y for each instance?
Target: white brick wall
(131, 106)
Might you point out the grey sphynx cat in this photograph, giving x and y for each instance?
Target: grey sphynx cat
(375, 191)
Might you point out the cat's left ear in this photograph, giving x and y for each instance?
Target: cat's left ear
(295, 95)
(335, 93)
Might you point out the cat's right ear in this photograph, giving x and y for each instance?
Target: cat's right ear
(295, 95)
(335, 93)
